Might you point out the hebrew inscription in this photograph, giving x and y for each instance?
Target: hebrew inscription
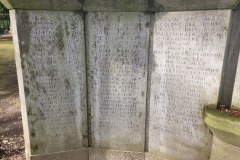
(186, 65)
(52, 53)
(117, 62)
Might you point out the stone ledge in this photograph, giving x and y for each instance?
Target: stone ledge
(224, 127)
(116, 5)
(121, 5)
(157, 5)
(150, 156)
(102, 154)
(63, 5)
(96, 154)
(80, 154)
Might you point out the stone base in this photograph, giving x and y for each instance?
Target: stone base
(226, 134)
(149, 156)
(224, 151)
(99, 154)
(81, 154)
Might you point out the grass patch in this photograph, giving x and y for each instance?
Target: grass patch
(8, 76)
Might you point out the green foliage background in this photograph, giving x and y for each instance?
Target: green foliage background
(4, 18)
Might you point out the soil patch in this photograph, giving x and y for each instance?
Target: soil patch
(231, 112)
(11, 130)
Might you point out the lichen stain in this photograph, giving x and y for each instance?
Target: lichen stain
(67, 29)
(147, 24)
(33, 134)
(27, 91)
(143, 94)
(35, 148)
(67, 84)
(155, 5)
(59, 37)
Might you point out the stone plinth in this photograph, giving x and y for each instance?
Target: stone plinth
(100, 154)
(226, 132)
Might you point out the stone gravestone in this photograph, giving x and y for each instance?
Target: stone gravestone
(145, 76)
(186, 64)
(50, 58)
(117, 65)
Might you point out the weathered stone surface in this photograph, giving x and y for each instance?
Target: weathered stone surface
(157, 5)
(96, 154)
(223, 151)
(236, 90)
(116, 5)
(186, 65)
(67, 155)
(117, 72)
(121, 5)
(64, 5)
(224, 127)
(149, 156)
(186, 5)
(50, 59)
(230, 91)
(233, 51)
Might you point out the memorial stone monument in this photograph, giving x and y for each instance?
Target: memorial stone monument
(234, 49)
(122, 80)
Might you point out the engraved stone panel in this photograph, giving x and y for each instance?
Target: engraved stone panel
(50, 58)
(186, 65)
(117, 72)
(96, 154)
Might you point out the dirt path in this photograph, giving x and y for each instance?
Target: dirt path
(11, 140)
(11, 133)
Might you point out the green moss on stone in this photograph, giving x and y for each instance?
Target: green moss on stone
(223, 126)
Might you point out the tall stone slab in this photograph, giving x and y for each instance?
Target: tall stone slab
(186, 65)
(236, 90)
(50, 59)
(117, 50)
(233, 65)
